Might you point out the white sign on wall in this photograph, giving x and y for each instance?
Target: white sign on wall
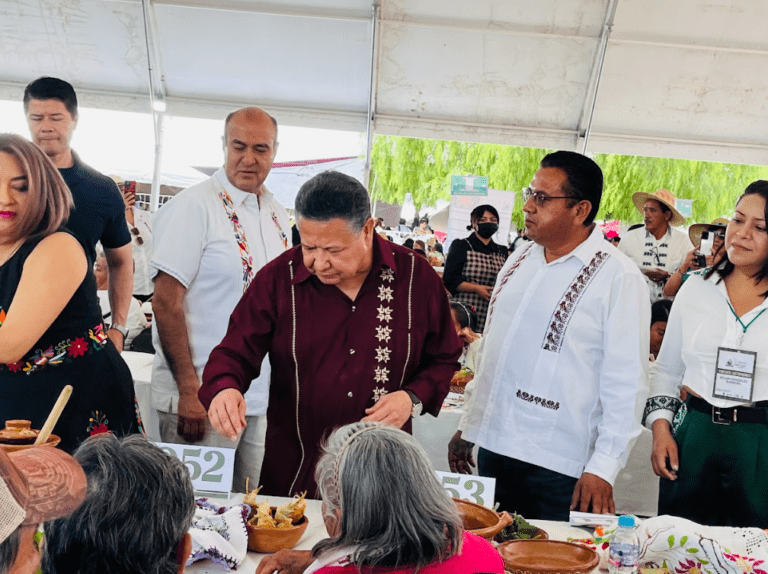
(462, 206)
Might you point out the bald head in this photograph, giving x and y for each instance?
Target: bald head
(250, 144)
(248, 114)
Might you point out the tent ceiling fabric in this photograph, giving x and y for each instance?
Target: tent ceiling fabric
(680, 79)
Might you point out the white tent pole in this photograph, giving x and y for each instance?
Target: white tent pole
(156, 96)
(598, 69)
(371, 93)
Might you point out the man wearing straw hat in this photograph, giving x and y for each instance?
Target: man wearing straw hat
(657, 249)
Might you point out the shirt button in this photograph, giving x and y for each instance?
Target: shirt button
(354, 308)
(350, 395)
(351, 351)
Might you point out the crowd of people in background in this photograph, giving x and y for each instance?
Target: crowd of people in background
(270, 336)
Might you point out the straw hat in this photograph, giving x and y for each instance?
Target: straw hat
(662, 196)
(694, 231)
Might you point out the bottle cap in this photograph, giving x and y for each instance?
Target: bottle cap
(628, 521)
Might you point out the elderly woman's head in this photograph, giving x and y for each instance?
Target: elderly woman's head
(34, 200)
(135, 518)
(382, 500)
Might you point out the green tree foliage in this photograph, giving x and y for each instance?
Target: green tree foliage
(424, 167)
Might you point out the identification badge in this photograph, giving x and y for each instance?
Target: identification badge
(734, 374)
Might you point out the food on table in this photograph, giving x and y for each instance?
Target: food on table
(520, 529)
(266, 516)
(460, 380)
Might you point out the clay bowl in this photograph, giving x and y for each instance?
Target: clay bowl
(269, 540)
(17, 435)
(481, 520)
(547, 557)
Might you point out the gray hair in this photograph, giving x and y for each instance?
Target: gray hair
(9, 549)
(139, 505)
(393, 510)
(331, 195)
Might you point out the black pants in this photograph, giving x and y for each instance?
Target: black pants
(529, 490)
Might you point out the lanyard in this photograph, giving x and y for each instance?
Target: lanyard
(743, 326)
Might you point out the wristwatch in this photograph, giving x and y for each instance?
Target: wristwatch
(119, 328)
(417, 406)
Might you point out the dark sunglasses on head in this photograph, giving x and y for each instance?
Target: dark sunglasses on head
(136, 232)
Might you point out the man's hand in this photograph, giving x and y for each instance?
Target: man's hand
(393, 409)
(117, 339)
(286, 562)
(664, 449)
(227, 413)
(591, 489)
(484, 291)
(656, 275)
(460, 454)
(192, 416)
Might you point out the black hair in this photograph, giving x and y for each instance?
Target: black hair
(584, 178)
(408, 243)
(47, 88)
(9, 550)
(465, 315)
(438, 247)
(332, 194)
(480, 210)
(402, 221)
(724, 267)
(660, 311)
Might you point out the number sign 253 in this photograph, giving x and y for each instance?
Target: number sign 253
(477, 489)
(210, 468)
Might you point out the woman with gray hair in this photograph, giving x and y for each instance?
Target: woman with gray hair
(386, 512)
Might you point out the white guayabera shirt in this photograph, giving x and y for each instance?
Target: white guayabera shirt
(563, 375)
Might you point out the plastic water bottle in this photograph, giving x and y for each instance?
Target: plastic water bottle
(624, 550)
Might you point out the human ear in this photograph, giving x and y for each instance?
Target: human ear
(183, 551)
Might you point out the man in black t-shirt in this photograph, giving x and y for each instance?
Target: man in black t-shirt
(50, 105)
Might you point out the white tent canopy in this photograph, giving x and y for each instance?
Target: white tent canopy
(681, 79)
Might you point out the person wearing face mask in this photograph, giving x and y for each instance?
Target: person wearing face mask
(474, 262)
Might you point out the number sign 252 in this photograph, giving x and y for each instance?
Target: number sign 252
(210, 468)
(477, 489)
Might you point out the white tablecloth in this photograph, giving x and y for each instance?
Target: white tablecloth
(141, 369)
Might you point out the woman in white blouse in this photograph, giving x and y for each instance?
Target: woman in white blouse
(710, 451)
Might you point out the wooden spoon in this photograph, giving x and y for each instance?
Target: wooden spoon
(53, 418)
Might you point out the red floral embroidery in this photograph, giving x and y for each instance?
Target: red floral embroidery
(78, 347)
(689, 566)
(746, 563)
(15, 367)
(98, 423)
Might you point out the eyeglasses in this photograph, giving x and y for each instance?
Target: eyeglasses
(540, 198)
(136, 232)
(720, 234)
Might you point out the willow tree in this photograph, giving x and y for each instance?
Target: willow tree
(423, 167)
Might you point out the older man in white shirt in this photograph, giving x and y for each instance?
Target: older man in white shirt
(657, 249)
(210, 240)
(562, 379)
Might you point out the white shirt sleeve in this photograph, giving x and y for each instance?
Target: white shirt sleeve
(179, 236)
(623, 376)
(667, 372)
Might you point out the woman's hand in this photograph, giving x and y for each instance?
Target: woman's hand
(484, 291)
(664, 449)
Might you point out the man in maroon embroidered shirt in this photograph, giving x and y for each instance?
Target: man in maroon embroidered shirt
(355, 326)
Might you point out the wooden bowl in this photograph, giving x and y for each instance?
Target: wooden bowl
(481, 520)
(269, 540)
(547, 557)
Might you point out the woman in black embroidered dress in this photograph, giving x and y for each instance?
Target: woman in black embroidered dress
(51, 333)
(474, 262)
